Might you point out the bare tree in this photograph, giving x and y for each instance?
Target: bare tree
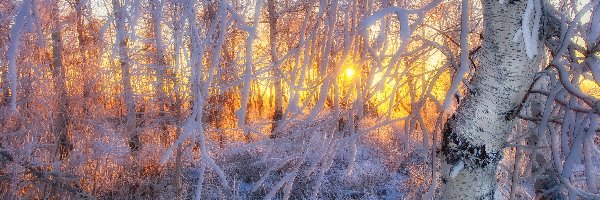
(121, 39)
(61, 121)
(13, 51)
(275, 62)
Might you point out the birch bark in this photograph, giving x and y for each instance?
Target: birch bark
(475, 135)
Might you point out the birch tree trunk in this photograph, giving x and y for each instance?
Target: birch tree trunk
(475, 135)
(13, 52)
(121, 40)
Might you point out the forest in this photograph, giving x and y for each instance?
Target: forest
(299, 99)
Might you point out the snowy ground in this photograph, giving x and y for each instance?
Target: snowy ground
(381, 170)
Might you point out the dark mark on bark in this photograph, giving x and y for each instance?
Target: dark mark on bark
(512, 114)
(487, 195)
(456, 148)
(473, 90)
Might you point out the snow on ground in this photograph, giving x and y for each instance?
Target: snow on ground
(380, 171)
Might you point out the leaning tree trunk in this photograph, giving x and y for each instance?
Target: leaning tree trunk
(475, 135)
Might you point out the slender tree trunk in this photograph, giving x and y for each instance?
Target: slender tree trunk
(161, 69)
(223, 95)
(177, 105)
(5, 90)
(124, 62)
(242, 113)
(61, 121)
(179, 151)
(157, 9)
(475, 135)
(13, 52)
(278, 114)
(83, 41)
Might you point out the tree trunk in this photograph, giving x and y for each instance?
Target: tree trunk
(177, 105)
(475, 135)
(160, 70)
(83, 41)
(278, 114)
(13, 52)
(122, 39)
(61, 121)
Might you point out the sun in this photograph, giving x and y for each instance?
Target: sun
(349, 72)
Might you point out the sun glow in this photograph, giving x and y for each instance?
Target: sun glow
(590, 87)
(350, 72)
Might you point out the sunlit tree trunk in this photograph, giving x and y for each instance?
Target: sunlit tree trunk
(13, 52)
(177, 105)
(242, 113)
(197, 55)
(4, 88)
(475, 135)
(61, 120)
(83, 41)
(4, 84)
(278, 113)
(124, 62)
(160, 68)
(221, 96)
(214, 107)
